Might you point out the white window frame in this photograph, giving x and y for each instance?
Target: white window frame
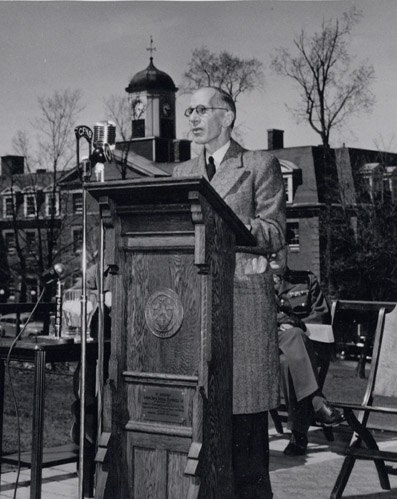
(26, 196)
(5, 199)
(77, 193)
(289, 187)
(11, 250)
(48, 197)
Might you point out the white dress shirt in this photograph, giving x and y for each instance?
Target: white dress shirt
(219, 154)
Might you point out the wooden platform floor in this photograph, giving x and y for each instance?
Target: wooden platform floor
(307, 477)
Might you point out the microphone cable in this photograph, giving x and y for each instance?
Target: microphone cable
(13, 391)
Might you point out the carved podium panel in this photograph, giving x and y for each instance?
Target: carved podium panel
(167, 418)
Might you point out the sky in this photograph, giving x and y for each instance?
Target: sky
(98, 46)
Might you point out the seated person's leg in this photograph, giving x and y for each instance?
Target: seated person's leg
(292, 344)
(90, 404)
(323, 353)
(90, 390)
(300, 413)
(298, 371)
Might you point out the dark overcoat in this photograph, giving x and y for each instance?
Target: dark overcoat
(250, 182)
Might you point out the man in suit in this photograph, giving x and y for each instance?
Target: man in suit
(250, 182)
(302, 307)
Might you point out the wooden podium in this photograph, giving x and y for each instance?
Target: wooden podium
(167, 421)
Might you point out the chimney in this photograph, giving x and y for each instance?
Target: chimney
(12, 165)
(275, 139)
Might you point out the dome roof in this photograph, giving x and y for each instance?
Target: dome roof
(150, 78)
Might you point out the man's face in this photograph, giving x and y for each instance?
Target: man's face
(213, 128)
(278, 264)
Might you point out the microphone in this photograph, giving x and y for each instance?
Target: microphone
(53, 273)
(105, 133)
(104, 144)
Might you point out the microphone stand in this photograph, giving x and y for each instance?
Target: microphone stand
(100, 155)
(58, 313)
(85, 173)
(101, 313)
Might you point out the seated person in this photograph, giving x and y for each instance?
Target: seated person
(90, 392)
(300, 300)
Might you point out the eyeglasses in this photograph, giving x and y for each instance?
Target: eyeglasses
(201, 110)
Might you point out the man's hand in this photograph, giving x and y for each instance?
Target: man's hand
(108, 299)
(256, 266)
(284, 327)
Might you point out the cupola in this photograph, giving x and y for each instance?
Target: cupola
(152, 98)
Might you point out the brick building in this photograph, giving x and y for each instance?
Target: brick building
(29, 219)
(317, 180)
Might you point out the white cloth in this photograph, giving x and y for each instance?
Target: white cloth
(320, 332)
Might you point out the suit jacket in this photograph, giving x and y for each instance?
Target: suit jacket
(250, 182)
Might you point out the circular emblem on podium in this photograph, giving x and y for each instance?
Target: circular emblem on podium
(164, 313)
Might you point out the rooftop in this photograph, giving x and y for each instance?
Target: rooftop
(151, 78)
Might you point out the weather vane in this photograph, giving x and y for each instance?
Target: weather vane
(151, 49)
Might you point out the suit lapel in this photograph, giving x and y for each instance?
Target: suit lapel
(230, 170)
(201, 169)
(196, 167)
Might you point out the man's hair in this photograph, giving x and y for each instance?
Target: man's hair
(228, 100)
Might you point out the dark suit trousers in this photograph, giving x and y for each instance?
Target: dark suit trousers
(298, 376)
(251, 456)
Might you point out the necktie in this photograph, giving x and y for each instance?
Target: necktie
(210, 167)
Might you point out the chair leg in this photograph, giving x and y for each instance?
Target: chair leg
(365, 435)
(343, 477)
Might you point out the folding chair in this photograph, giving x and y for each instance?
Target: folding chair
(382, 381)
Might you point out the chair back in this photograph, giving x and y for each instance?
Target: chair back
(386, 377)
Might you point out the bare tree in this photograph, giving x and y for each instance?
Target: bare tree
(223, 70)
(121, 112)
(52, 151)
(331, 87)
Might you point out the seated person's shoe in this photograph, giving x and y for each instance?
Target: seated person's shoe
(328, 416)
(297, 444)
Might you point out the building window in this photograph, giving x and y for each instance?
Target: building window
(11, 293)
(372, 175)
(9, 239)
(8, 207)
(30, 240)
(288, 186)
(77, 203)
(167, 129)
(138, 128)
(30, 205)
(77, 236)
(390, 182)
(52, 204)
(293, 236)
